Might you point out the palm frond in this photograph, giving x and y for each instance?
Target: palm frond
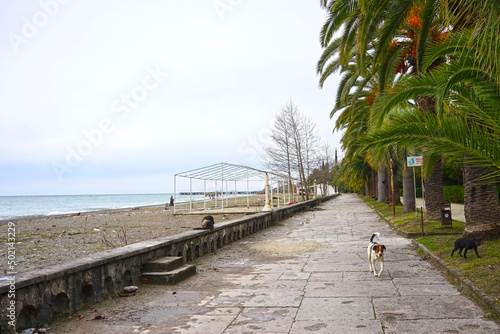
(427, 16)
(330, 52)
(391, 25)
(448, 135)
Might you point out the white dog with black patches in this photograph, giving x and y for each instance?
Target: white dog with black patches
(375, 253)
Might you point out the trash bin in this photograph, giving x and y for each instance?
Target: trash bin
(446, 215)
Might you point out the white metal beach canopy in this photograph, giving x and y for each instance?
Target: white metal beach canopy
(223, 173)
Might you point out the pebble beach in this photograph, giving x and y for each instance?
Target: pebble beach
(52, 240)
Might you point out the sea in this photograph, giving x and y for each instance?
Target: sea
(22, 207)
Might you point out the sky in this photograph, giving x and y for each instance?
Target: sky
(116, 96)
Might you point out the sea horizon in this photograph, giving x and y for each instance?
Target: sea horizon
(15, 207)
(18, 207)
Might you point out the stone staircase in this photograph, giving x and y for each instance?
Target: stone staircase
(167, 270)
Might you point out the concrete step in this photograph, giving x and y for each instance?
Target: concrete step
(164, 264)
(170, 277)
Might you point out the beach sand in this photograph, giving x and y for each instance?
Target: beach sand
(53, 240)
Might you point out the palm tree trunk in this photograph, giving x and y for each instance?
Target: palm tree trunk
(434, 197)
(482, 208)
(395, 186)
(382, 186)
(373, 185)
(409, 204)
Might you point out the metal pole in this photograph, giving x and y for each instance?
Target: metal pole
(422, 220)
(222, 191)
(190, 193)
(271, 186)
(298, 193)
(175, 193)
(248, 193)
(392, 190)
(278, 188)
(204, 194)
(415, 191)
(215, 194)
(284, 193)
(289, 191)
(423, 190)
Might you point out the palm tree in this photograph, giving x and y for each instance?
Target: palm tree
(406, 33)
(400, 33)
(467, 124)
(475, 93)
(355, 94)
(355, 173)
(355, 48)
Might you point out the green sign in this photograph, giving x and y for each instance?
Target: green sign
(414, 161)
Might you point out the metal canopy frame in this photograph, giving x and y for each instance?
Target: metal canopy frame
(225, 172)
(228, 172)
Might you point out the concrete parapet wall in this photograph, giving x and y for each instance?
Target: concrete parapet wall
(31, 299)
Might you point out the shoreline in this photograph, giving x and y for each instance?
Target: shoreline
(50, 240)
(80, 213)
(125, 208)
(83, 213)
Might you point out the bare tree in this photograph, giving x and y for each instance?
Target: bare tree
(312, 144)
(293, 143)
(324, 163)
(279, 155)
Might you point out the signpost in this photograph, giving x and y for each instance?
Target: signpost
(416, 161)
(392, 189)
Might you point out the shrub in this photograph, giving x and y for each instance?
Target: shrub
(454, 194)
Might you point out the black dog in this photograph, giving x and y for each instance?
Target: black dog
(206, 224)
(466, 244)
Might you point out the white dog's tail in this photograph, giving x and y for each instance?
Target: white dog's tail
(376, 234)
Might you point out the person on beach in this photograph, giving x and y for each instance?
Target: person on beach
(167, 205)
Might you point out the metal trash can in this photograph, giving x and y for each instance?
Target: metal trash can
(446, 215)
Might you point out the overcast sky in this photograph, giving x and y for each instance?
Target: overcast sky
(115, 96)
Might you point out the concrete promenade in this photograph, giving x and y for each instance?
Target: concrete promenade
(309, 275)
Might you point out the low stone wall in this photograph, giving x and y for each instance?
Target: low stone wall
(31, 299)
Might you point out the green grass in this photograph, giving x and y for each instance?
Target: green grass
(484, 272)
(411, 223)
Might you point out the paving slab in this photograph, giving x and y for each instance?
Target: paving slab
(197, 324)
(385, 288)
(307, 275)
(426, 307)
(263, 320)
(469, 326)
(326, 276)
(336, 309)
(329, 327)
(426, 289)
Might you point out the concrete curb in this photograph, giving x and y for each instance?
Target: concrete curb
(482, 298)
